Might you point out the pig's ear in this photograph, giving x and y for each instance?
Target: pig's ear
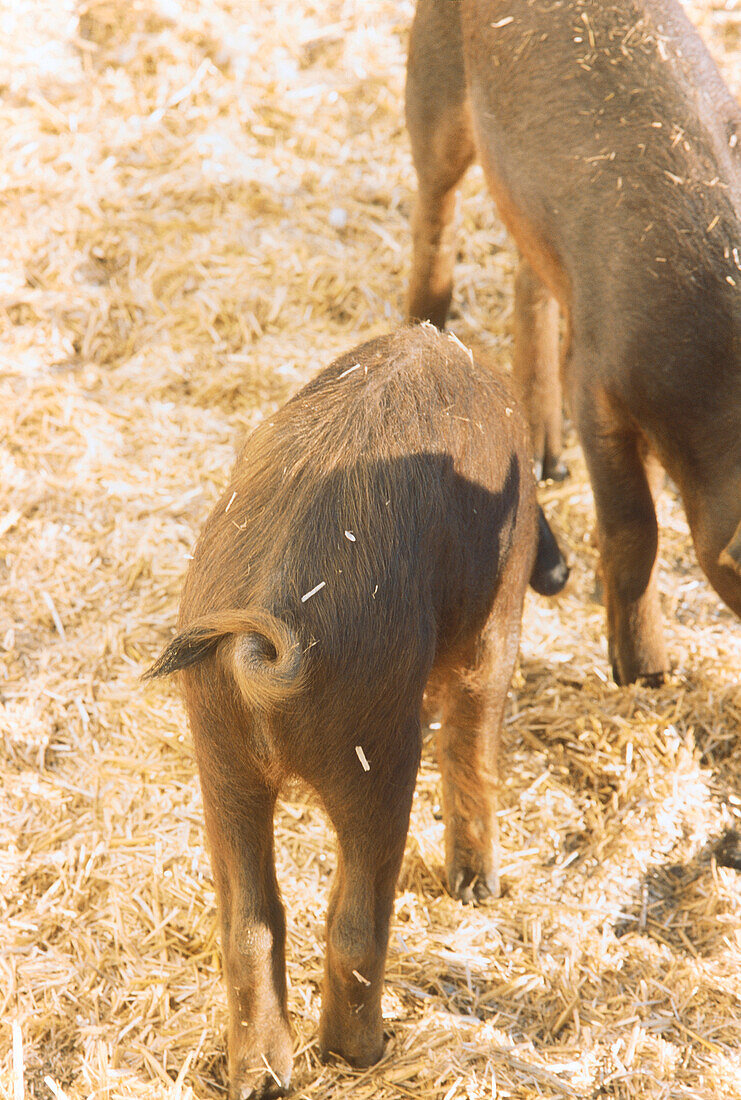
(731, 555)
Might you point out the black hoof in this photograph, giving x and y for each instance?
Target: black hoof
(555, 471)
(727, 850)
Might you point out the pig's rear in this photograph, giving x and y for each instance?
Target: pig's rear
(377, 536)
(369, 524)
(366, 528)
(374, 514)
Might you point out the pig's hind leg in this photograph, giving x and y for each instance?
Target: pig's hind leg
(368, 797)
(536, 367)
(239, 808)
(473, 694)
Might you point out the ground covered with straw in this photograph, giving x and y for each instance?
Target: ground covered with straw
(202, 203)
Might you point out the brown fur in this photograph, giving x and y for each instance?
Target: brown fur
(400, 477)
(611, 146)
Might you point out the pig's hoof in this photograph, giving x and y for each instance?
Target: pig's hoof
(259, 1083)
(727, 850)
(266, 1089)
(551, 469)
(653, 679)
(555, 471)
(645, 679)
(474, 889)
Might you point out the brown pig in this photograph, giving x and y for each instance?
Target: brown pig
(611, 147)
(376, 539)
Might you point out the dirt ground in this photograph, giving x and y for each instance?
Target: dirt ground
(202, 203)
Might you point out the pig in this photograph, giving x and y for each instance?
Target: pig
(375, 541)
(611, 147)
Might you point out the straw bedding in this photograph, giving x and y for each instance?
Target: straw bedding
(202, 203)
